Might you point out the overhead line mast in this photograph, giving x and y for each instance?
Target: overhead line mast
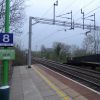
(55, 4)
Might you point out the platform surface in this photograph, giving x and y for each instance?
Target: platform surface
(34, 84)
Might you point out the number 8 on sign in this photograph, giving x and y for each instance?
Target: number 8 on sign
(6, 38)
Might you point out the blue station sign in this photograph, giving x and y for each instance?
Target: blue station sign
(6, 39)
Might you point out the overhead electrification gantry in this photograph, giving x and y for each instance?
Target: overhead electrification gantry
(71, 25)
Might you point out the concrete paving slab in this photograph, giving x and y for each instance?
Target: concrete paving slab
(80, 98)
(17, 97)
(48, 93)
(28, 86)
(23, 70)
(36, 78)
(71, 92)
(16, 73)
(43, 88)
(53, 97)
(32, 96)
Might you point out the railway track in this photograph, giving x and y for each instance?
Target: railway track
(87, 77)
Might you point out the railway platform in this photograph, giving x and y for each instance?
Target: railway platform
(36, 83)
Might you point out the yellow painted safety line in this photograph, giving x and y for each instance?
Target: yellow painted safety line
(58, 91)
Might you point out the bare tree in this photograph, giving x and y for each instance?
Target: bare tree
(88, 43)
(79, 52)
(43, 48)
(57, 48)
(62, 51)
(91, 42)
(16, 15)
(96, 47)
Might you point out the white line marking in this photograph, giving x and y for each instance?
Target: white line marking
(72, 80)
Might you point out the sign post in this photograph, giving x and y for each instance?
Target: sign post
(4, 90)
(6, 62)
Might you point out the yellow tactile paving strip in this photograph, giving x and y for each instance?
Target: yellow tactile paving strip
(58, 91)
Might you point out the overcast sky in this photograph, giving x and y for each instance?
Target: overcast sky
(44, 34)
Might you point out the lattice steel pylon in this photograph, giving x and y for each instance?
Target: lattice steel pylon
(52, 22)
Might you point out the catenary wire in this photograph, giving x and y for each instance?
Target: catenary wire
(88, 13)
(48, 36)
(72, 36)
(47, 11)
(52, 34)
(70, 5)
(93, 10)
(85, 6)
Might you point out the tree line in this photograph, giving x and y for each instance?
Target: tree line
(61, 51)
(17, 15)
